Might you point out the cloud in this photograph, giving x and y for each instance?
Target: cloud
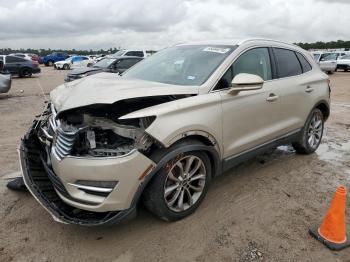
(155, 24)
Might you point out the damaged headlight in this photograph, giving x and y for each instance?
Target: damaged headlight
(103, 137)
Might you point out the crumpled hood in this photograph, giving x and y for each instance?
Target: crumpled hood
(105, 88)
(84, 70)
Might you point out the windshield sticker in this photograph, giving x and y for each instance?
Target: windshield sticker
(216, 50)
(191, 77)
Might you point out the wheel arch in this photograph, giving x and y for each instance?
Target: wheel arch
(187, 144)
(324, 107)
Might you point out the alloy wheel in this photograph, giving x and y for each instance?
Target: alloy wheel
(315, 130)
(185, 183)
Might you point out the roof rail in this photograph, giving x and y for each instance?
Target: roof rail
(264, 39)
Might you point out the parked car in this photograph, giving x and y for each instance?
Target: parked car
(49, 60)
(5, 80)
(327, 61)
(139, 53)
(343, 63)
(111, 65)
(26, 56)
(74, 62)
(169, 125)
(20, 66)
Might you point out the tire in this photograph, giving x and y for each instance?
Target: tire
(307, 145)
(346, 70)
(65, 66)
(169, 207)
(25, 72)
(49, 63)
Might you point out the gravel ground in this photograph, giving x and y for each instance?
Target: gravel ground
(258, 211)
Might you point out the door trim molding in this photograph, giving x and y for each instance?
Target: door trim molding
(235, 159)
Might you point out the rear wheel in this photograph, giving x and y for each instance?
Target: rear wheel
(179, 187)
(311, 133)
(25, 72)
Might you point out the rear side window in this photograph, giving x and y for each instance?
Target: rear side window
(13, 59)
(134, 53)
(126, 63)
(304, 63)
(287, 63)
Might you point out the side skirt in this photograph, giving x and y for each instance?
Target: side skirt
(234, 160)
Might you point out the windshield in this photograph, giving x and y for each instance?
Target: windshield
(181, 65)
(104, 63)
(119, 53)
(316, 56)
(68, 59)
(328, 56)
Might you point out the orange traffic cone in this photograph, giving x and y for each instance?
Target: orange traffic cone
(332, 231)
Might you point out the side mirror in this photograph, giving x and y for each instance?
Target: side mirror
(245, 82)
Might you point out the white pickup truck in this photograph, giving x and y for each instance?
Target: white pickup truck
(326, 60)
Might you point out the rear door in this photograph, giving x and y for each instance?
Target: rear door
(296, 84)
(250, 118)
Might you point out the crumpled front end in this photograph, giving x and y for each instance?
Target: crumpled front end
(83, 168)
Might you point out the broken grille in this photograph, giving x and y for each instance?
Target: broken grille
(63, 143)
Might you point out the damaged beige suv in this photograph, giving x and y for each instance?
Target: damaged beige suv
(160, 132)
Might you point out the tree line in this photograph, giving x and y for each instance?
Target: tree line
(43, 52)
(326, 45)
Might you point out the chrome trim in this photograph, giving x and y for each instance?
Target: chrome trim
(92, 188)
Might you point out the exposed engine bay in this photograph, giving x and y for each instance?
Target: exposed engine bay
(97, 131)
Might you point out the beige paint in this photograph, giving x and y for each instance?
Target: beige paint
(234, 121)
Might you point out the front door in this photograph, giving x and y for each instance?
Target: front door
(250, 118)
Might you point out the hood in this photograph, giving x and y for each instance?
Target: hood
(84, 70)
(105, 88)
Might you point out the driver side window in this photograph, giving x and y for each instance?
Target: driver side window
(255, 61)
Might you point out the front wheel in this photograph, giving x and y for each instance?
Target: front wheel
(179, 187)
(311, 134)
(65, 66)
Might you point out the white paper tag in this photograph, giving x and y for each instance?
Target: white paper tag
(216, 50)
(90, 135)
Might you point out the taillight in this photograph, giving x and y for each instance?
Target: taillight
(329, 86)
(35, 63)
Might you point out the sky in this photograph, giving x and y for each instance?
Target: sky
(155, 24)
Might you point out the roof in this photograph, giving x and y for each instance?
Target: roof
(234, 42)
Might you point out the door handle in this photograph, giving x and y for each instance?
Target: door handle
(272, 97)
(309, 89)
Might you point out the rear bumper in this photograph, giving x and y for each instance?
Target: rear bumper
(48, 189)
(36, 70)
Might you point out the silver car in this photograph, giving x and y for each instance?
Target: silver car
(5, 79)
(169, 125)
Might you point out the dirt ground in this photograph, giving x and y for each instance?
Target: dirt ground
(259, 211)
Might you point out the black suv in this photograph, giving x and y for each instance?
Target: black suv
(109, 64)
(19, 66)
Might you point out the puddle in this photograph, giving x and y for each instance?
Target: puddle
(333, 151)
(287, 149)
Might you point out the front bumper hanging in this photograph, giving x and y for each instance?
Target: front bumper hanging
(43, 183)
